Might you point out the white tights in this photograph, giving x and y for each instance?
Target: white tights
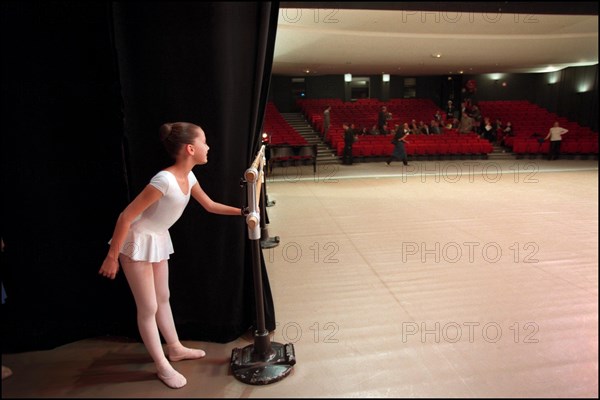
(149, 283)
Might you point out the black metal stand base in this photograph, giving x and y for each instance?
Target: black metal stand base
(269, 242)
(251, 367)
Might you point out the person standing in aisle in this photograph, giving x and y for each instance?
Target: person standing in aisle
(555, 135)
(326, 121)
(398, 141)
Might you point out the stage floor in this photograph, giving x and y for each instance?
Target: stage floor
(465, 278)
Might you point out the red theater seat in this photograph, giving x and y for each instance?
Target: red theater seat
(569, 147)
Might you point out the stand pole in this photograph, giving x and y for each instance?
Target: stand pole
(267, 202)
(264, 361)
(262, 344)
(266, 242)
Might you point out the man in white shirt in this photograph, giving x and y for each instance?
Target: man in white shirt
(555, 135)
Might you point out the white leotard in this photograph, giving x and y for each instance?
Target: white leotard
(148, 238)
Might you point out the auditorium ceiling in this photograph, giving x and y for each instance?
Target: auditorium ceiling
(434, 38)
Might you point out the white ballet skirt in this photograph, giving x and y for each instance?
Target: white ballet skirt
(148, 238)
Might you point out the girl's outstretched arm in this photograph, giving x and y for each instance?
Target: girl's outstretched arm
(212, 206)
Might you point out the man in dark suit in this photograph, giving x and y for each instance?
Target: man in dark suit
(349, 139)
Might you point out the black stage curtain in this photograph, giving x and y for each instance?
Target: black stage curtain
(85, 87)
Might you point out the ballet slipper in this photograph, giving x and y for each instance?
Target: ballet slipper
(6, 372)
(178, 352)
(174, 379)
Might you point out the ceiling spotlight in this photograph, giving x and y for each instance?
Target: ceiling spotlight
(347, 77)
(436, 55)
(385, 77)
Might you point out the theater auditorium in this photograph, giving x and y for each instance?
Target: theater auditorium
(469, 271)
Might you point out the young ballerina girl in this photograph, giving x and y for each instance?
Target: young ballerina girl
(142, 244)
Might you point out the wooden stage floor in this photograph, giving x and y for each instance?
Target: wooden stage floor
(465, 278)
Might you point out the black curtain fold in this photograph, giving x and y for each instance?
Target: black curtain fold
(203, 63)
(267, 16)
(85, 87)
(267, 23)
(62, 172)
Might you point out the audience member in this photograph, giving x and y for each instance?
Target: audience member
(423, 128)
(465, 108)
(382, 119)
(384, 130)
(326, 120)
(487, 130)
(466, 124)
(475, 113)
(555, 135)
(398, 142)
(508, 129)
(414, 127)
(498, 125)
(504, 133)
(450, 110)
(349, 139)
(498, 130)
(434, 127)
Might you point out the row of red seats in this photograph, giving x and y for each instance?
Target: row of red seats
(526, 117)
(279, 130)
(360, 102)
(451, 135)
(531, 123)
(511, 141)
(531, 146)
(298, 153)
(474, 147)
(364, 113)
